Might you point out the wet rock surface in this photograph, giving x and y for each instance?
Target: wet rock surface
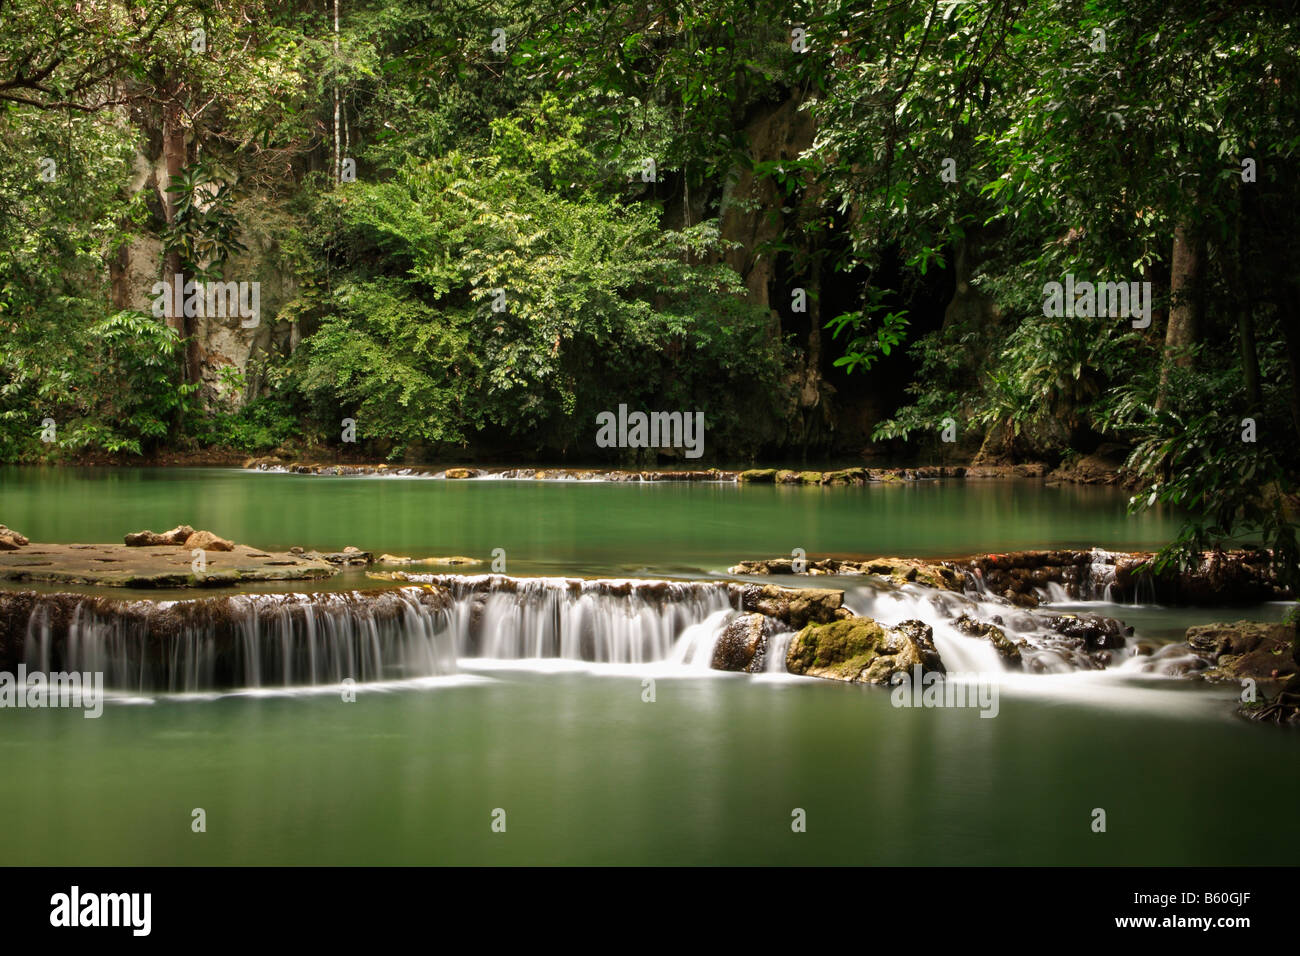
(1223, 577)
(1264, 653)
(154, 566)
(1007, 649)
(743, 644)
(897, 570)
(860, 650)
(795, 607)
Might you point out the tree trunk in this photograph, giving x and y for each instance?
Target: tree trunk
(1180, 334)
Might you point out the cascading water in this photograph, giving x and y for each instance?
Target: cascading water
(891, 607)
(291, 640)
(249, 641)
(1047, 642)
(622, 622)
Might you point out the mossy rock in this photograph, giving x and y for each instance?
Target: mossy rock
(845, 476)
(810, 477)
(758, 476)
(786, 477)
(861, 650)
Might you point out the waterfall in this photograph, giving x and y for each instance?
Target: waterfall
(423, 629)
(609, 621)
(1048, 642)
(247, 641)
(893, 606)
(290, 640)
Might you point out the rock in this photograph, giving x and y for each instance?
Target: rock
(898, 570)
(176, 537)
(350, 558)
(11, 540)
(460, 473)
(1103, 467)
(207, 541)
(758, 476)
(1226, 577)
(861, 650)
(743, 644)
(845, 476)
(1007, 649)
(796, 607)
(1096, 632)
(350, 549)
(1282, 708)
(1246, 650)
(810, 478)
(296, 550)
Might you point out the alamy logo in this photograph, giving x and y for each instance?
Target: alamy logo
(653, 430)
(211, 300)
(1101, 299)
(74, 909)
(56, 689)
(953, 690)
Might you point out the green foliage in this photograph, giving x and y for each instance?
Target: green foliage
(601, 305)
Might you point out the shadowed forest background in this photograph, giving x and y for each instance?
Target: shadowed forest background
(827, 226)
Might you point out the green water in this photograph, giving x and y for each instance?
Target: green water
(574, 527)
(588, 772)
(710, 772)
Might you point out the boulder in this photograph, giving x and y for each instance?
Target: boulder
(743, 644)
(1246, 649)
(460, 473)
(861, 650)
(176, 537)
(758, 476)
(11, 540)
(1096, 632)
(796, 607)
(207, 541)
(845, 476)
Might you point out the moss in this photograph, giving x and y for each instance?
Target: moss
(845, 476)
(764, 476)
(810, 477)
(842, 649)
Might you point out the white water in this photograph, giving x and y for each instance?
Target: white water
(276, 642)
(608, 621)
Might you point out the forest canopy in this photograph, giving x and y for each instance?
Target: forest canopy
(830, 227)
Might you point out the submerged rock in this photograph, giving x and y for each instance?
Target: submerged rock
(349, 557)
(861, 650)
(455, 559)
